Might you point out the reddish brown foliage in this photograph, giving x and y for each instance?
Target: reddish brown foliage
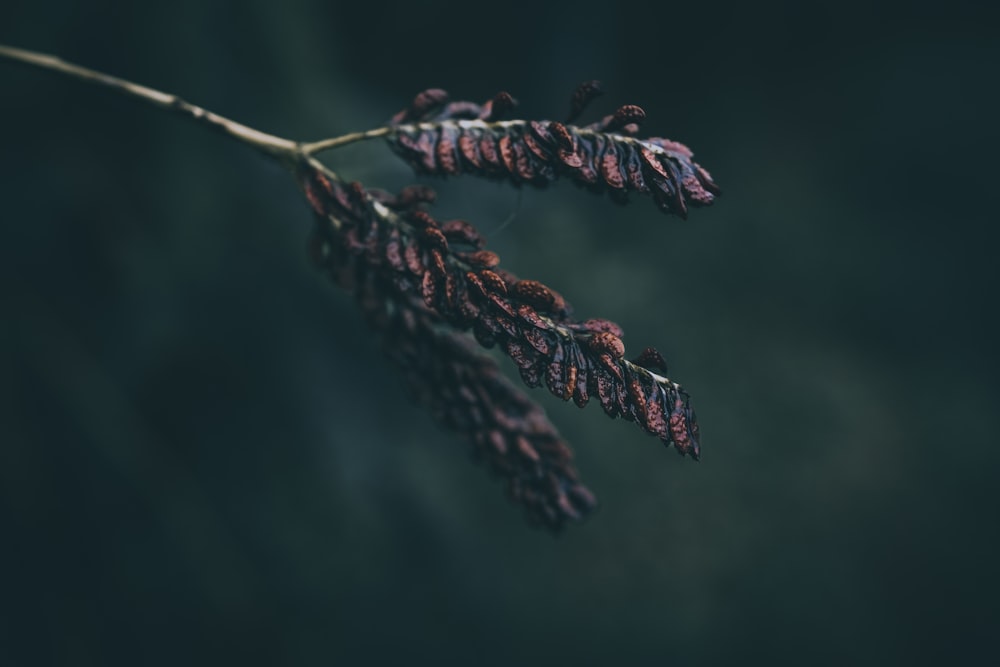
(421, 290)
(465, 138)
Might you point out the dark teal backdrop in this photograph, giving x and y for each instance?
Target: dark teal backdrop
(205, 459)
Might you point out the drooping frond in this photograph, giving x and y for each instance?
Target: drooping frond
(439, 137)
(424, 282)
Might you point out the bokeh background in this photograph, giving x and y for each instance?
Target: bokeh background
(206, 460)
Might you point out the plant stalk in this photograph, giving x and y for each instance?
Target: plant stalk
(336, 142)
(285, 151)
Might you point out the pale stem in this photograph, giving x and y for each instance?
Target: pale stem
(284, 150)
(336, 142)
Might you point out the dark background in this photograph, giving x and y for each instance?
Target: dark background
(205, 459)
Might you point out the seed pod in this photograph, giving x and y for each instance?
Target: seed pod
(433, 237)
(607, 343)
(604, 387)
(581, 395)
(497, 442)
(468, 144)
(436, 263)
(531, 376)
(499, 107)
(393, 251)
(656, 419)
(651, 358)
(493, 282)
(475, 286)
(316, 199)
(520, 354)
(447, 150)
(612, 168)
(501, 304)
(563, 138)
(508, 278)
(481, 259)
(507, 156)
(555, 379)
(570, 380)
(451, 291)
(428, 289)
(582, 96)
(636, 398)
(597, 325)
(490, 153)
(412, 195)
(629, 114)
(610, 365)
(421, 105)
(414, 263)
(529, 316)
(508, 326)
(460, 231)
(526, 450)
(679, 430)
(538, 339)
(539, 296)
(541, 153)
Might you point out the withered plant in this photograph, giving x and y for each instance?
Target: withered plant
(439, 299)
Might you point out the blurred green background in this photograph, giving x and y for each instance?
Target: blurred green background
(206, 460)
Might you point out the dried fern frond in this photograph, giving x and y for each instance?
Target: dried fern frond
(464, 390)
(438, 297)
(361, 243)
(449, 138)
(525, 319)
(422, 281)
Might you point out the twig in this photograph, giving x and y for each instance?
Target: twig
(284, 150)
(336, 142)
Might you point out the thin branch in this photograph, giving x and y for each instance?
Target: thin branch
(284, 150)
(336, 142)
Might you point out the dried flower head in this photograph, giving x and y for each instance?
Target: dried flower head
(380, 247)
(465, 138)
(423, 282)
(438, 296)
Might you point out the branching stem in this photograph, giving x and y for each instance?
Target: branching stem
(285, 151)
(336, 142)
